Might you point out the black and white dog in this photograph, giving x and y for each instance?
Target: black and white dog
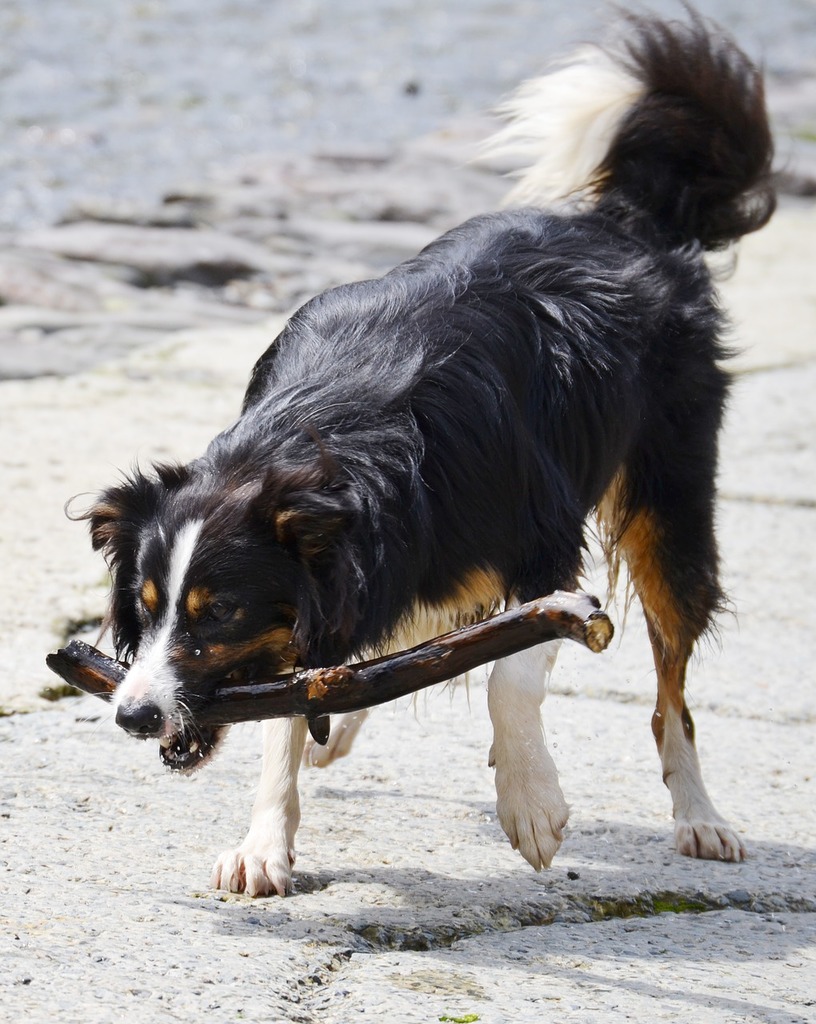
(415, 451)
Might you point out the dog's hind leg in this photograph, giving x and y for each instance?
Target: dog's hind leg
(666, 536)
(699, 830)
(344, 729)
(530, 804)
(262, 864)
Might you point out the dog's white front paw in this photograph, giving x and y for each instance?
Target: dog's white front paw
(711, 839)
(257, 867)
(533, 817)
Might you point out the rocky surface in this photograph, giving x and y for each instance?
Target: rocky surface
(128, 333)
(258, 239)
(128, 99)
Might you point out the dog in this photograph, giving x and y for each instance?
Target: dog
(417, 451)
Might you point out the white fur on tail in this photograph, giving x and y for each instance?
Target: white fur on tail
(561, 124)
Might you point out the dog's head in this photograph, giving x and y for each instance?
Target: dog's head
(215, 580)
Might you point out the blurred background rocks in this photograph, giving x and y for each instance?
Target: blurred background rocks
(168, 166)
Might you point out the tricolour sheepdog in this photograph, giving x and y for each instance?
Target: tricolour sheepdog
(416, 451)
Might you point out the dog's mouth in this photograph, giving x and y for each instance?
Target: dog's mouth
(186, 746)
(189, 749)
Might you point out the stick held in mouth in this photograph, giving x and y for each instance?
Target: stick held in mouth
(316, 693)
(87, 669)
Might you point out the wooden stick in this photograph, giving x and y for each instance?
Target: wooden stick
(87, 669)
(316, 693)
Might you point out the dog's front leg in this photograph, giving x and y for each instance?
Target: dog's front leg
(262, 864)
(530, 804)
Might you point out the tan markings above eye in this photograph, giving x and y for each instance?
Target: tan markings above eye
(275, 641)
(150, 596)
(198, 601)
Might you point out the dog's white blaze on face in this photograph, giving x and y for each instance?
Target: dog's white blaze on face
(151, 677)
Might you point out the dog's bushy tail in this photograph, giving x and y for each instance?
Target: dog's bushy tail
(668, 130)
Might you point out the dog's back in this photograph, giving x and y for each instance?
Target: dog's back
(486, 395)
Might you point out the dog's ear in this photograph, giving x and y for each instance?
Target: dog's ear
(117, 515)
(116, 519)
(313, 512)
(308, 507)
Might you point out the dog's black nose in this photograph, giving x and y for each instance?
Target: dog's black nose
(140, 718)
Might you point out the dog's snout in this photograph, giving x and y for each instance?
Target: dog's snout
(140, 718)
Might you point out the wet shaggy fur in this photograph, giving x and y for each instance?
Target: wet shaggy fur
(435, 440)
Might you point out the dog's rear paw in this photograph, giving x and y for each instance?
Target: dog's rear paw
(533, 821)
(255, 871)
(344, 729)
(708, 840)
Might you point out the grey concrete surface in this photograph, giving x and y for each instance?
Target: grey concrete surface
(129, 99)
(409, 904)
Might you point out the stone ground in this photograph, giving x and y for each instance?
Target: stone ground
(409, 903)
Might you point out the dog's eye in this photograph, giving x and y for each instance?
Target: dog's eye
(221, 611)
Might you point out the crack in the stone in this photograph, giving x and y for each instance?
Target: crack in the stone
(714, 707)
(315, 987)
(381, 936)
(794, 363)
(768, 499)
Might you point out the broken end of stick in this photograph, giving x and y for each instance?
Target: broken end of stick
(598, 631)
(86, 668)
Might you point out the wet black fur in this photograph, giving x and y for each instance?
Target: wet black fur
(469, 409)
